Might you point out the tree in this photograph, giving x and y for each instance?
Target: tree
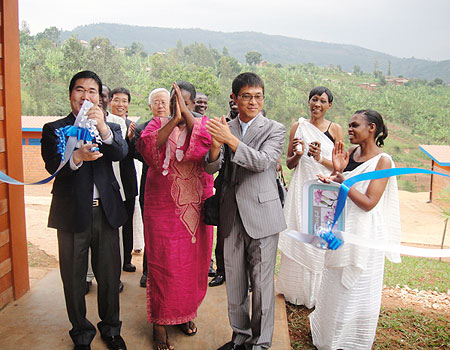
(228, 67)
(25, 34)
(74, 57)
(225, 51)
(179, 51)
(253, 57)
(200, 55)
(389, 69)
(375, 67)
(104, 60)
(357, 70)
(52, 34)
(135, 49)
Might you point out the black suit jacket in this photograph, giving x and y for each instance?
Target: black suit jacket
(137, 133)
(71, 208)
(128, 170)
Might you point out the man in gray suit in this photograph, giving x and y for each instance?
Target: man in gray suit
(248, 148)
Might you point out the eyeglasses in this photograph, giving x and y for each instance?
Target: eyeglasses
(160, 102)
(248, 97)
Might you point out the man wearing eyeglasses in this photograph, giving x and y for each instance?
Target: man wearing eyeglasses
(87, 211)
(248, 149)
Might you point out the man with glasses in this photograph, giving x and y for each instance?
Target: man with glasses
(120, 99)
(87, 211)
(248, 149)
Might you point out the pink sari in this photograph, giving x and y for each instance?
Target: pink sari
(177, 243)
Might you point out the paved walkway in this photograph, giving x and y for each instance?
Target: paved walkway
(38, 320)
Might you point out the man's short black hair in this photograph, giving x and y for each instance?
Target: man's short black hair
(120, 90)
(184, 85)
(107, 88)
(86, 74)
(246, 79)
(319, 90)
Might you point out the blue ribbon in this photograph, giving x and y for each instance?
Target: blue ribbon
(69, 131)
(61, 133)
(373, 175)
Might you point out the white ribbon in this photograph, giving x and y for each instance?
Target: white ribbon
(375, 244)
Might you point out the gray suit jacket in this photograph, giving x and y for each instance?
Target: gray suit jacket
(249, 183)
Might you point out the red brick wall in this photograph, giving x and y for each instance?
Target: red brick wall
(33, 165)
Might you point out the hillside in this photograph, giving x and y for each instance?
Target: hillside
(274, 48)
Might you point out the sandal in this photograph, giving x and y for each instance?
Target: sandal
(188, 328)
(159, 344)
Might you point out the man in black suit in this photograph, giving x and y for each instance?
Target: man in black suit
(120, 99)
(219, 277)
(87, 210)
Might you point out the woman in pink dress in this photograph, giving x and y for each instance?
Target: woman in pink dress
(177, 242)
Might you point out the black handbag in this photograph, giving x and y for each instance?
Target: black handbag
(282, 189)
(211, 210)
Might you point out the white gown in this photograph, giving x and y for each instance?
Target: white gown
(349, 299)
(302, 264)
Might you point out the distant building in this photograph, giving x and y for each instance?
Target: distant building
(369, 86)
(396, 81)
(440, 162)
(84, 43)
(261, 63)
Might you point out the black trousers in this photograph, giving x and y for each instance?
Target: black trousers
(219, 254)
(141, 203)
(127, 230)
(73, 261)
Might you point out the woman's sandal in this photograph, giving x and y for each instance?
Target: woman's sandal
(160, 344)
(188, 328)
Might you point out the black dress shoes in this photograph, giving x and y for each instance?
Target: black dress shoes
(129, 267)
(120, 286)
(218, 280)
(115, 342)
(82, 347)
(232, 346)
(211, 272)
(143, 281)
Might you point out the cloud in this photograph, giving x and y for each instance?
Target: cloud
(401, 28)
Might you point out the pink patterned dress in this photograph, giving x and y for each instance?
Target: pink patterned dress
(177, 242)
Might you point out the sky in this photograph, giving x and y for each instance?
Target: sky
(402, 28)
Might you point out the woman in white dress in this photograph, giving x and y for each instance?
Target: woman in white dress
(310, 144)
(349, 300)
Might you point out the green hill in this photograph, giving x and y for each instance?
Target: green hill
(274, 48)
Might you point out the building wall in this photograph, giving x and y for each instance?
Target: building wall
(14, 281)
(33, 164)
(440, 182)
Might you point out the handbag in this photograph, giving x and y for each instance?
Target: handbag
(211, 210)
(281, 184)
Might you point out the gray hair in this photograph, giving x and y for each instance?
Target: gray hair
(154, 92)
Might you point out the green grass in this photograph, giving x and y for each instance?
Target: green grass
(397, 329)
(409, 329)
(420, 273)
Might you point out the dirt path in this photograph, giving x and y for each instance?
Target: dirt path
(421, 221)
